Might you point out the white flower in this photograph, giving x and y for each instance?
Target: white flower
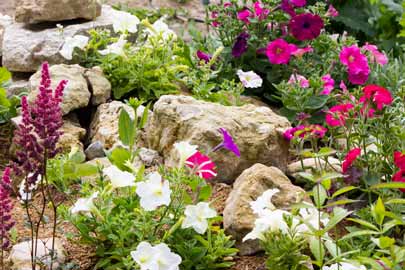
(84, 204)
(272, 221)
(344, 266)
(119, 178)
(26, 195)
(197, 215)
(309, 216)
(115, 48)
(263, 203)
(249, 79)
(154, 192)
(71, 43)
(158, 257)
(161, 28)
(124, 21)
(185, 150)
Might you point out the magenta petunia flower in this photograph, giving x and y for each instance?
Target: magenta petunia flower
(227, 143)
(377, 56)
(227, 4)
(241, 45)
(202, 165)
(279, 51)
(356, 63)
(260, 12)
(298, 3)
(377, 95)
(351, 156)
(214, 16)
(399, 159)
(306, 26)
(302, 131)
(288, 6)
(204, 56)
(358, 75)
(244, 15)
(328, 84)
(337, 115)
(332, 12)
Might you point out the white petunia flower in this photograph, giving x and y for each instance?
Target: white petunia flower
(125, 21)
(26, 195)
(344, 266)
(161, 28)
(310, 216)
(249, 79)
(153, 192)
(71, 43)
(185, 150)
(119, 178)
(84, 204)
(197, 215)
(263, 203)
(115, 48)
(158, 257)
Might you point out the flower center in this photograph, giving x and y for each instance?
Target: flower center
(279, 51)
(306, 25)
(351, 58)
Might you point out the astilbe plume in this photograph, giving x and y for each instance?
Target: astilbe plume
(6, 206)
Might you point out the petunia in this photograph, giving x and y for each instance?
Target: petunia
(358, 75)
(337, 115)
(306, 26)
(399, 159)
(241, 45)
(351, 156)
(249, 79)
(77, 41)
(301, 80)
(299, 52)
(332, 12)
(263, 203)
(227, 143)
(115, 48)
(202, 165)
(298, 3)
(377, 95)
(196, 217)
(309, 216)
(302, 131)
(260, 12)
(84, 204)
(288, 6)
(204, 56)
(119, 178)
(158, 257)
(377, 56)
(154, 192)
(160, 28)
(185, 150)
(244, 15)
(214, 16)
(328, 84)
(279, 51)
(344, 266)
(356, 63)
(399, 177)
(124, 21)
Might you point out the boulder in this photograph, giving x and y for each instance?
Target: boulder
(95, 150)
(5, 20)
(149, 157)
(72, 137)
(17, 87)
(238, 216)
(76, 94)
(20, 255)
(100, 87)
(256, 130)
(29, 11)
(25, 48)
(310, 163)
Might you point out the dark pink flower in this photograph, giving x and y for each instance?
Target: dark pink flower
(337, 115)
(6, 208)
(244, 15)
(298, 3)
(203, 56)
(302, 131)
(279, 51)
(288, 6)
(332, 12)
(227, 143)
(299, 52)
(227, 4)
(377, 95)
(343, 86)
(202, 165)
(260, 12)
(399, 159)
(328, 84)
(241, 45)
(399, 177)
(214, 16)
(306, 26)
(377, 56)
(356, 63)
(351, 156)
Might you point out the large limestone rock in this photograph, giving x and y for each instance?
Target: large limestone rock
(72, 137)
(34, 11)
(310, 164)
(26, 47)
(5, 20)
(20, 255)
(239, 218)
(256, 130)
(76, 94)
(100, 86)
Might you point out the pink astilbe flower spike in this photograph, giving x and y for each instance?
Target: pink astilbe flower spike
(6, 221)
(202, 165)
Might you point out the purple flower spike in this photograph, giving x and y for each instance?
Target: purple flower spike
(227, 143)
(6, 207)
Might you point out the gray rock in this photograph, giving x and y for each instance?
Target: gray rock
(311, 164)
(95, 150)
(99, 86)
(29, 11)
(17, 87)
(5, 20)
(149, 157)
(25, 48)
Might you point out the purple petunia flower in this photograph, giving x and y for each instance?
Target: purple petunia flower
(306, 26)
(227, 143)
(204, 56)
(241, 45)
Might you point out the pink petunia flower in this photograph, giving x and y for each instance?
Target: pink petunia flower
(202, 165)
(244, 15)
(302, 81)
(328, 84)
(337, 115)
(377, 95)
(306, 26)
(260, 12)
(279, 51)
(377, 56)
(399, 177)
(227, 4)
(299, 52)
(351, 156)
(343, 86)
(399, 159)
(302, 131)
(332, 12)
(356, 63)
(214, 16)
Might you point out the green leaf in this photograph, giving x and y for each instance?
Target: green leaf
(340, 202)
(316, 102)
(364, 223)
(396, 201)
(320, 195)
(389, 185)
(205, 193)
(144, 117)
(317, 249)
(379, 211)
(119, 157)
(5, 75)
(126, 128)
(357, 234)
(343, 190)
(338, 215)
(385, 242)
(86, 170)
(326, 151)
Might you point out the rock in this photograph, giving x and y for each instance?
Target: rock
(20, 255)
(25, 48)
(100, 87)
(309, 163)
(104, 125)
(256, 130)
(29, 11)
(98, 162)
(76, 94)
(5, 20)
(239, 218)
(149, 157)
(17, 88)
(72, 136)
(95, 150)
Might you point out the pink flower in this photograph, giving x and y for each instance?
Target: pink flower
(328, 84)
(298, 3)
(244, 15)
(358, 75)
(214, 16)
(201, 165)
(337, 115)
(6, 208)
(301, 131)
(343, 86)
(260, 12)
(299, 52)
(303, 82)
(377, 56)
(227, 4)
(306, 26)
(332, 12)
(399, 159)
(356, 63)
(377, 95)
(279, 51)
(351, 156)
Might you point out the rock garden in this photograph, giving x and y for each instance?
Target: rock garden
(188, 135)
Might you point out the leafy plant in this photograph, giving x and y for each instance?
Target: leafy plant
(8, 106)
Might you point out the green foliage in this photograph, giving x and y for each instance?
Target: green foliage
(8, 106)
